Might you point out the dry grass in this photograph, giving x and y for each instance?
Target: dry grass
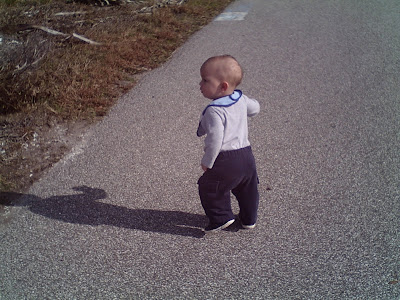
(75, 78)
(64, 79)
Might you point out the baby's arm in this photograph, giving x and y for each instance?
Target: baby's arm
(212, 124)
(253, 107)
(200, 130)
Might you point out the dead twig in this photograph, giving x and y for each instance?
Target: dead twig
(48, 30)
(39, 59)
(55, 32)
(85, 39)
(70, 13)
(19, 68)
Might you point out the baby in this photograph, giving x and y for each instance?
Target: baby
(228, 162)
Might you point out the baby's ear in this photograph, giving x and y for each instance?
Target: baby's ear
(224, 85)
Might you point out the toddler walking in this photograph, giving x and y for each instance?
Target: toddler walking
(228, 162)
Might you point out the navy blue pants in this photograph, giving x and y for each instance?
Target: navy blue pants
(232, 171)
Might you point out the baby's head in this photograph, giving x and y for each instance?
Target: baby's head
(220, 76)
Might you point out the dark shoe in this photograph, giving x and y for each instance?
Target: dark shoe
(215, 227)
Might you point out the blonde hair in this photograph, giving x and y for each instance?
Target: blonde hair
(227, 68)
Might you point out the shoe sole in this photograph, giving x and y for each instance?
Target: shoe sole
(227, 224)
(248, 226)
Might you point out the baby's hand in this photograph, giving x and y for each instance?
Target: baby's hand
(204, 168)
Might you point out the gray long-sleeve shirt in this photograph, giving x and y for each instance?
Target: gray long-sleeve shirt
(226, 127)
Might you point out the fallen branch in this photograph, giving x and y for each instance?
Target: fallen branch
(48, 30)
(85, 39)
(55, 32)
(70, 13)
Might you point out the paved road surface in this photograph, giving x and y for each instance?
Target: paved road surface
(120, 218)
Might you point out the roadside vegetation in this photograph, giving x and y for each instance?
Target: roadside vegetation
(63, 64)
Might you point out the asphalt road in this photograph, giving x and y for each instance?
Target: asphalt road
(120, 218)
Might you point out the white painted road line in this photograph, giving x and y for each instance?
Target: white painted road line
(231, 16)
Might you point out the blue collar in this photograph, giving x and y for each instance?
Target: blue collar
(226, 100)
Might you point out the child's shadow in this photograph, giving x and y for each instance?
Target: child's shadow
(84, 209)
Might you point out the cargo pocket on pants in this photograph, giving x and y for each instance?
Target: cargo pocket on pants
(208, 189)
